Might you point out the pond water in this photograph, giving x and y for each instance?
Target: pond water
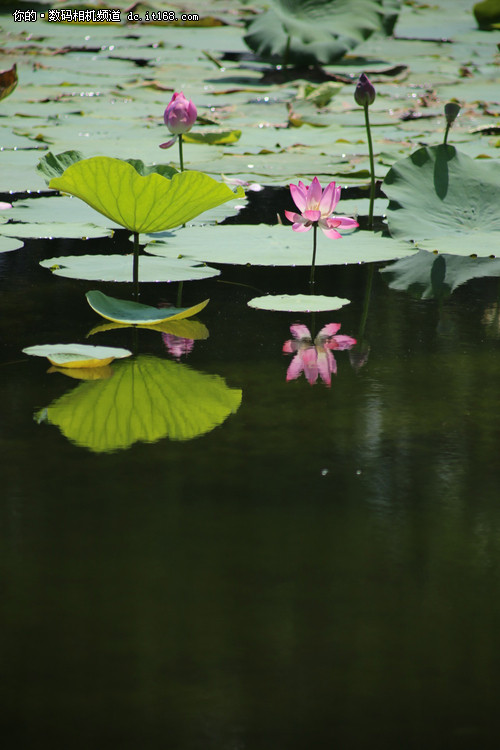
(320, 567)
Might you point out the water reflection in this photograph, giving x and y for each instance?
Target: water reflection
(315, 358)
(146, 399)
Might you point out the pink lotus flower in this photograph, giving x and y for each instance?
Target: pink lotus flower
(316, 206)
(179, 116)
(177, 345)
(315, 358)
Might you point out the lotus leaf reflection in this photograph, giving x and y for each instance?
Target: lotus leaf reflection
(146, 399)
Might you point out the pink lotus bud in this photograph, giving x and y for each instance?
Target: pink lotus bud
(365, 91)
(180, 115)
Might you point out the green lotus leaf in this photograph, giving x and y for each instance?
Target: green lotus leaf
(52, 165)
(263, 245)
(77, 355)
(440, 191)
(298, 302)
(9, 243)
(217, 138)
(308, 32)
(142, 204)
(428, 276)
(120, 268)
(125, 311)
(146, 399)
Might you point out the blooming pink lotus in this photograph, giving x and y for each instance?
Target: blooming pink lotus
(315, 358)
(316, 207)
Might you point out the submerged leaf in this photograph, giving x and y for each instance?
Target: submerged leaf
(142, 204)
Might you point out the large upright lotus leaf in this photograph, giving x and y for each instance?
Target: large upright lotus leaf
(428, 276)
(307, 32)
(52, 165)
(142, 204)
(146, 399)
(440, 191)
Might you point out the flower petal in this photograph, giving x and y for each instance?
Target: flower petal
(299, 223)
(328, 200)
(295, 367)
(310, 363)
(326, 365)
(299, 194)
(300, 331)
(329, 330)
(314, 194)
(169, 143)
(340, 342)
(311, 215)
(332, 234)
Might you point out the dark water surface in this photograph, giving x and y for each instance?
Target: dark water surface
(321, 570)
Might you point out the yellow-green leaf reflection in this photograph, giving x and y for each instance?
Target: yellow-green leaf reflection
(146, 399)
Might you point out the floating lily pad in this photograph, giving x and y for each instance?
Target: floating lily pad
(439, 191)
(77, 355)
(262, 245)
(146, 399)
(142, 204)
(125, 311)
(120, 268)
(298, 302)
(9, 243)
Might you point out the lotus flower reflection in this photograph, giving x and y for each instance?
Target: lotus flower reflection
(316, 207)
(316, 358)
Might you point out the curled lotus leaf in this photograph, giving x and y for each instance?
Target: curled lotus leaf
(126, 311)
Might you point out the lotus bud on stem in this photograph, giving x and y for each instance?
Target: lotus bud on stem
(451, 110)
(364, 95)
